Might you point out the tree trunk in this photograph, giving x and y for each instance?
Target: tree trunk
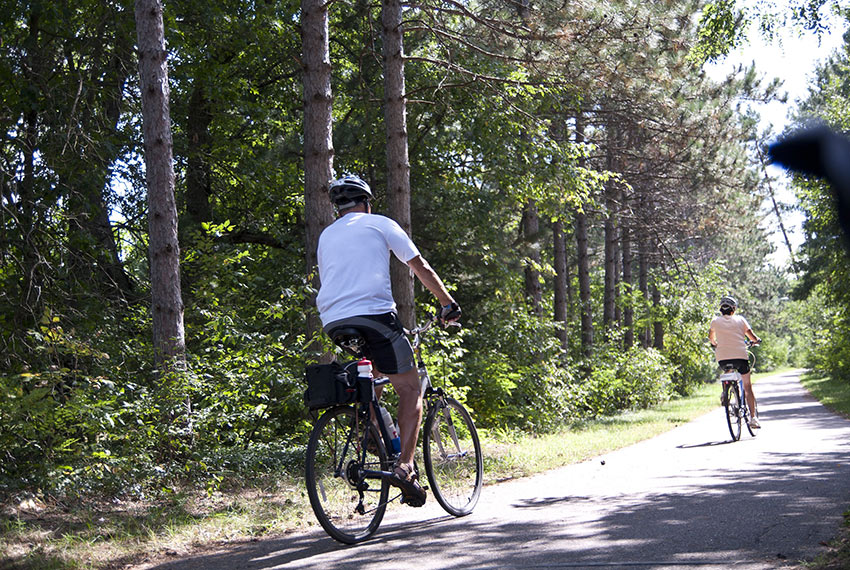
(531, 238)
(643, 270)
(318, 142)
(628, 310)
(643, 273)
(29, 309)
(657, 323)
(398, 165)
(618, 313)
(95, 261)
(560, 259)
(583, 263)
(609, 290)
(166, 300)
(570, 291)
(584, 284)
(91, 241)
(197, 162)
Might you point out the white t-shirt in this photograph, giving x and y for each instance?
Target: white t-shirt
(354, 265)
(731, 335)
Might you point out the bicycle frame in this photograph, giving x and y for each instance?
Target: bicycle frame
(383, 430)
(430, 396)
(732, 379)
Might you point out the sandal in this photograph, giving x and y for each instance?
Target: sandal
(407, 480)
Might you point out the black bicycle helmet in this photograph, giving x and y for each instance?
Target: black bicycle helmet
(348, 191)
(728, 304)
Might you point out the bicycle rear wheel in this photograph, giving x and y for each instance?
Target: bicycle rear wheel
(452, 457)
(733, 411)
(348, 506)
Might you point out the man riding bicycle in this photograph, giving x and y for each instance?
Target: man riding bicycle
(728, 334)
(355, 292)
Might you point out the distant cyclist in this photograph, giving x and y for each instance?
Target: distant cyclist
(354, 268)
(728, 335)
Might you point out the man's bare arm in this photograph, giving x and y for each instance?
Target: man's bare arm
(430, 279)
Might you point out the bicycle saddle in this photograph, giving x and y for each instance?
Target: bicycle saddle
(349, 339)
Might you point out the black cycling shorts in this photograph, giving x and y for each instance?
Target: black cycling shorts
(386, 344)
(742, 365)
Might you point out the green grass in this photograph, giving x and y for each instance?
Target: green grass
(832, 393)
(521, 455)
(98, 536)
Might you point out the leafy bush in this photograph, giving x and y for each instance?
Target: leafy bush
(514, 371)
(618, 381)
(771, 354)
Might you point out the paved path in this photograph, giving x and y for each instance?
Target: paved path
(686, 499)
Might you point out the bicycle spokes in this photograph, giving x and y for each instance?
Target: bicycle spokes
(348, 505)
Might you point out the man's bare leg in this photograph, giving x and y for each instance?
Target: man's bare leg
(407, 387)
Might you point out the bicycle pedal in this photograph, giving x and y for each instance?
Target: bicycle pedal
(412, 501)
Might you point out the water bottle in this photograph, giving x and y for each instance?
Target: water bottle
(392, 429)
(365, 388)
(364, 368)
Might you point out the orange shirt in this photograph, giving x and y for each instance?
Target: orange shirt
(731, 335)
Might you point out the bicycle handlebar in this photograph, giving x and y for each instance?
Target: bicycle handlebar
(435, 318)
(750, 344)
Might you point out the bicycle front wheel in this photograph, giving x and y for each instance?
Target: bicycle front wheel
(348, 506)
(733, 411)
(452, 457)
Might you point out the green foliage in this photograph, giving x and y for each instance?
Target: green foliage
(724, 24)
(826, 263)
(512, 375)
(720, 31)
(687, 318)
(773, 353)
(623, 380)
(491, 130)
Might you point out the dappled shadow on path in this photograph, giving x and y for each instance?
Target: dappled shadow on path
(758, 516)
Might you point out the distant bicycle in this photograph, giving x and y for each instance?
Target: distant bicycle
(350, 452)
(734, 402)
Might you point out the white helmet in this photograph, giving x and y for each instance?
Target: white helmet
(348, 191)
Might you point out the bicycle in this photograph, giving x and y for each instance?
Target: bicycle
(348, 466)
(733, 397)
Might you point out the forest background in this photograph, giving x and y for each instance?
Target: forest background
(570, 170)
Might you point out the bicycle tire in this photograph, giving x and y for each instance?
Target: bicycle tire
(452, 457)
(733, 411)
(333, 483)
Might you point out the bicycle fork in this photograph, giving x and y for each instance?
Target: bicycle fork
(438, 438)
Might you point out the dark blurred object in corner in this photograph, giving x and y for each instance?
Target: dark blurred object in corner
(819, 151)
